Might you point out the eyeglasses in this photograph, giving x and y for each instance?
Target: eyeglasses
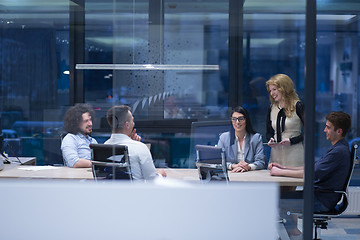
(238, 119)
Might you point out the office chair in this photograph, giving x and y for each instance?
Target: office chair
(211, 164)
(62, 138)
(110, 161)
(321, 219)
(206, 133)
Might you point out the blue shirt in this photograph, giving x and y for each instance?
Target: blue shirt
(74, 147)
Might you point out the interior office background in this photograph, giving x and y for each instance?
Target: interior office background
(178, 63)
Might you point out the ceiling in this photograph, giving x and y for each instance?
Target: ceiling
(37, 13)
(260, 16)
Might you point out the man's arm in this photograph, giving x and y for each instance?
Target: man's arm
(284, 167)
(287, 172)
(147, 167)
(69, 148)
(161, 172)
(82, 163)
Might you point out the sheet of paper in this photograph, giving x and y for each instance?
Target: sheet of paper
(36, 168)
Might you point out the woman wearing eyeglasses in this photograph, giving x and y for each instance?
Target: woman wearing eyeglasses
(284, 122)
(243, 147)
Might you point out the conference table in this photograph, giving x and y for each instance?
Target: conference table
(51, 172)
(250, 176)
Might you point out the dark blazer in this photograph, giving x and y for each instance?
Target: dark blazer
(254, 151)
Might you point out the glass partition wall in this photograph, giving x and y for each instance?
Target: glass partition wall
(337, 80)
(163, 59)
(34, 76)
(172, 64)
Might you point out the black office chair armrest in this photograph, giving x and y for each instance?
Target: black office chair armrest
(109, 164)
(329, 191)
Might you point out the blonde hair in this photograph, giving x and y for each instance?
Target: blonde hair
(285, 85)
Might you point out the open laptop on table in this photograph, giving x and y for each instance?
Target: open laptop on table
(211, 163)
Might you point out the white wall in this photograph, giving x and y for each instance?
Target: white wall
(87, 210)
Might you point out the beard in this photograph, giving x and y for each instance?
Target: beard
(87, 131)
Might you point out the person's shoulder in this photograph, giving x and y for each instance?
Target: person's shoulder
(139, 147)
(339, 149)
(272, 108)
(143, 145)
(225, 135)
(70, 140)
(342, 145)
(69, 137)
(255, 137)
(299, 104)
(272, 105)
(137, 143)
(69, 134)
(345, 143)
(93, 140)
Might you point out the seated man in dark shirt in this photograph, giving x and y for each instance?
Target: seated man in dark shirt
(331, 170)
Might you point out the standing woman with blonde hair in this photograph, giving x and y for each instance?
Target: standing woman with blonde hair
(285, 121)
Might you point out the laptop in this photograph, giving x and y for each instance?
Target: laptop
(211, 163)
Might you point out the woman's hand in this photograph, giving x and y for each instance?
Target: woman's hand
(286, 142)
(276, 165)
(242, 166)
(271, 142)
(275, 171)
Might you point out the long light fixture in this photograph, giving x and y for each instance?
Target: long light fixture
(146, 67)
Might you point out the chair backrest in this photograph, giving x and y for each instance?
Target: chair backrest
(211, 163)
(62, 138)
(353, 154)
(110, 161)
(342, 205)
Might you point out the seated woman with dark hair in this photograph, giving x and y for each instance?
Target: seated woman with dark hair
(243, 146)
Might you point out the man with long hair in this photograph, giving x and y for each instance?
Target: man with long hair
(75, 146)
